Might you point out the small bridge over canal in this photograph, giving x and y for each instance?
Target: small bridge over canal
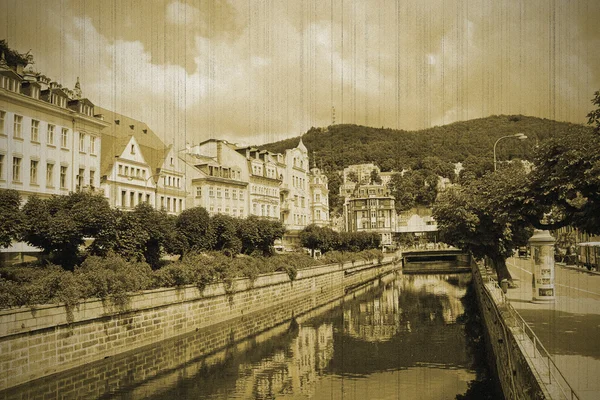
(435, 261)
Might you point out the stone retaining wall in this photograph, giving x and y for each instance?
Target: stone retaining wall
(506, 355)
(38, 342)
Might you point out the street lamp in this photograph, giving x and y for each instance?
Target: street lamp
(520, 136)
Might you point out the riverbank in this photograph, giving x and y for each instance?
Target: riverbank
(37, 342)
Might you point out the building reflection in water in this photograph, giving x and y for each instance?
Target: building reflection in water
(397, 335)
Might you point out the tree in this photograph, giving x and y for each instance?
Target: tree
(192, 232)
(564, 186)
(58, 225)
(224, 229)
(259, 235)
(375, 178)
(11, 218)
(352, 177)
(485, 218)
(594, 115)
(158, 226)
(314, 237)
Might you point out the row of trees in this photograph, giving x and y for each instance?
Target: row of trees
(60, 226)
(492, 215)
(325, 239)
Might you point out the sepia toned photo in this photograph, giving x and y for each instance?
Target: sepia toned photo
(300, 199)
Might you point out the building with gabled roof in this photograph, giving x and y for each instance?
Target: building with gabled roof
(137, 166)
(217, 178)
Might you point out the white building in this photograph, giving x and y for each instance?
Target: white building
(137, 166)
(50, 138)
(266, 172)
(217, 178)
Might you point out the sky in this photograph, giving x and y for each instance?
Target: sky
(257, 71)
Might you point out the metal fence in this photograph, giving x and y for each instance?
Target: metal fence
(542, 361)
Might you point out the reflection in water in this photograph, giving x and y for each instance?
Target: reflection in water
(399, 337)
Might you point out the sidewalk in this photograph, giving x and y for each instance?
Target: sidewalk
(569, 328)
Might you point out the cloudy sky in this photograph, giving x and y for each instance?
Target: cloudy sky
(255, 71)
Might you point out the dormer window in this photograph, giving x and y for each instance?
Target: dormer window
(132, 149)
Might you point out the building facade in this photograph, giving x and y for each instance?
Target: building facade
(50, 137)
(265, 172)
(319, 198)
(137, 167)
(217, 178)
(371, 209)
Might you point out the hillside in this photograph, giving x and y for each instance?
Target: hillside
(338, 146)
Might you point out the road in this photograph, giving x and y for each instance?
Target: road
(569, 328)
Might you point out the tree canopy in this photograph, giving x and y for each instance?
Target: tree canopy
(484, 216)
(11, 218)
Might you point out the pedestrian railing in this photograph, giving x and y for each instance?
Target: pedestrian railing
(542, 360)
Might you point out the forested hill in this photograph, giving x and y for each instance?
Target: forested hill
(338, 146)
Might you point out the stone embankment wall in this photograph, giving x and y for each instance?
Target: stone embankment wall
(36, 342)
(505, 342)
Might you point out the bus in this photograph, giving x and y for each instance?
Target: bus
(588, 255)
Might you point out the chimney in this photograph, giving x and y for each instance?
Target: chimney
(219, 151)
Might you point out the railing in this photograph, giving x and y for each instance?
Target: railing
(553, 374)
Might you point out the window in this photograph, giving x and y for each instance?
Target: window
(318, 215)
(211, 192)
(50, 134)
(64, 138)
(18, 122)
(63, 177)
(92, 178)
(2, 119)
(218, 193)
(35, 126)
(317, 198)
(1, 166)
(49, 174)
(199, 191)
(133, 149)
(140, 198)
(226, 193)
(80, 177)
(123, 197)
(33, 172)
(131, 199)
(180, 205)
(234, 194)
(168, 204)
(126, 170)
(16, 177)
(241, 195)
(81, 142)
(92, 145)
(120, 169)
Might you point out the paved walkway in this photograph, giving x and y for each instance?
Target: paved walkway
(569, 328)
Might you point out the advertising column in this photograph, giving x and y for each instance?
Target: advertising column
(542, 251)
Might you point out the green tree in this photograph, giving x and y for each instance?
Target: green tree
(11, 218)
(485, 218)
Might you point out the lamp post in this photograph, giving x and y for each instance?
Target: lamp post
(520, 136)
(155, 188)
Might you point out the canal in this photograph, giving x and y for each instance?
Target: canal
(409, 337)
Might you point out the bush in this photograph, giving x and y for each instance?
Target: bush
(114, 279)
